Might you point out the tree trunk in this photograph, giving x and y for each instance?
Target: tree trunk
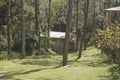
(23, 29)
(83, 35)
(36, 17)
(68, 28)
(37, 22)
(49, 20)
(77, 23)
(8, 27)
(86, 8)
(104, 8)
(108, 3)
(81, 46)
(94, 15)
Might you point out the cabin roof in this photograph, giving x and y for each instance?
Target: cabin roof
(54, 34)
(113, 9)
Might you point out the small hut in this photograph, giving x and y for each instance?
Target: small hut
(58, 40)
(114, 14)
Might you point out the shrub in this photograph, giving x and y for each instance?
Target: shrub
(30, 45)
(3, 42)
(13, 55)
(108, 40)
(115, 71)
(3, 55)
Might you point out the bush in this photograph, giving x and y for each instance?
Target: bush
(108, 40)
(13, 55)
(3, 55)
(3, 42)
(115, 71)
(30, 45)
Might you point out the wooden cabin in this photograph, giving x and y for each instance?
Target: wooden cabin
(57, 40)
(114, 14)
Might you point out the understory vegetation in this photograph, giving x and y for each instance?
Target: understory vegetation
(108, 41)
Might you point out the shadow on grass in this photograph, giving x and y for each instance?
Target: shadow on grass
(10, 75)
(41, 56)
(42, 62)
(91, 63)
(106, 78)
(97, 63)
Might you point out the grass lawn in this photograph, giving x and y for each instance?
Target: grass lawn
(47, 67)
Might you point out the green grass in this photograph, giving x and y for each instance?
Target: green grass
(47, 67)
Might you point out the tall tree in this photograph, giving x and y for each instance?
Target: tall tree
(77, 22)
(8, 27)
(36, 17)
(37, 22)
(83, 34)
(68, 28)
(94, 15)
(49, 22)
(108, 3)
(23, 29)
(86, 9)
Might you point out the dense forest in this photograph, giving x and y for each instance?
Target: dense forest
(26, 27)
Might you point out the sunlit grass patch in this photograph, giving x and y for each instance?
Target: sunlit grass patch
(48, 67)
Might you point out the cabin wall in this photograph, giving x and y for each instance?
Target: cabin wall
(59, 43)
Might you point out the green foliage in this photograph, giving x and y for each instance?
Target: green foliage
(13, 55)
(3, 42)
(2, 3)
(36, 52)
(58, 17)
(108, 40)
(3, 55)
(30, 45)
(115, 71)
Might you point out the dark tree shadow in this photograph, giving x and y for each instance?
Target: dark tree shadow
(91, 63)
(43, 62)
(106, 78)
(10, 75)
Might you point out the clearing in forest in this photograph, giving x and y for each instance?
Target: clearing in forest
(47, 67)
